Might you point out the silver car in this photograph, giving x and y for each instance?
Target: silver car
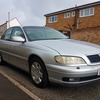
(49, 56)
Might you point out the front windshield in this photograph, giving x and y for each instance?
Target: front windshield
(42, 33)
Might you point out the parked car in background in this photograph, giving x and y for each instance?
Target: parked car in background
(49, 56)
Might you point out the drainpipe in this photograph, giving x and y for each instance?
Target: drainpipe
(76, 15)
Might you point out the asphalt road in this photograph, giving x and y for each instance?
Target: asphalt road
(53, 92)
(8, 91)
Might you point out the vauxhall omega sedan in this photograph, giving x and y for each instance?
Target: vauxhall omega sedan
(49, 56)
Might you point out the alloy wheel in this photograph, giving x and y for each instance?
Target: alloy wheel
(37, 74)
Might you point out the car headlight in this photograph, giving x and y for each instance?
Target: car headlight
(69, 60)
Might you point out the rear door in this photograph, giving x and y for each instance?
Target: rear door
(5, 44)
(14, 52)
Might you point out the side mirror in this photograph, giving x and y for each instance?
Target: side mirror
(18, 39)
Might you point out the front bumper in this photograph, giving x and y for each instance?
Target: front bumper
(73, 75)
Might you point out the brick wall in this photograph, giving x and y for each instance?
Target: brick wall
(90, 21)
(3, 28)
(88, 34)
(66, 24)
(62, 23)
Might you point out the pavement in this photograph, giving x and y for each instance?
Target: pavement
(9, 91)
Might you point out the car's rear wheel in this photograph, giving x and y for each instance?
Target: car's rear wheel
(38, 73)
(1, 60)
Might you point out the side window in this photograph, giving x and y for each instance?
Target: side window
(7, 34)
(17, 31)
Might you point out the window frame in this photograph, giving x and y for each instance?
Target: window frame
(67, 15)
(53, 19)
(73, 13)
(14, 29)
(83, 12)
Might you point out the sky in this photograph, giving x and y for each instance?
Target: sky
(31, 12)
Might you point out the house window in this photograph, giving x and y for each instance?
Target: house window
(87, 12)
(53, 19)
(73, 14)
(67, 15)
(91, 11)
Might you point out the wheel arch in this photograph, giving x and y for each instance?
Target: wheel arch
(35, 56)
(31, 57)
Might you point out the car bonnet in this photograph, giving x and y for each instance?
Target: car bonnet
(71, 47)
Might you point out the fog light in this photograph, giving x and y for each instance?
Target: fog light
(73, 79)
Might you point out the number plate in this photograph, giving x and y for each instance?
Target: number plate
(99, 72)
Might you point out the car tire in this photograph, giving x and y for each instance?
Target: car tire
(1, 60)
(38, 73)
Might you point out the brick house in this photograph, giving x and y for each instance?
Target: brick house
(76, 18)
(3, 28)
(7, 24)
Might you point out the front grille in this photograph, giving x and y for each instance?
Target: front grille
(94, 58)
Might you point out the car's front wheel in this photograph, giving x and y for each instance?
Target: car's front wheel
(38, 73)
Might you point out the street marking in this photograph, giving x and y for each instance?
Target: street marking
(28, 92)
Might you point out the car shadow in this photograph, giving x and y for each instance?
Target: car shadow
(17, 70)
